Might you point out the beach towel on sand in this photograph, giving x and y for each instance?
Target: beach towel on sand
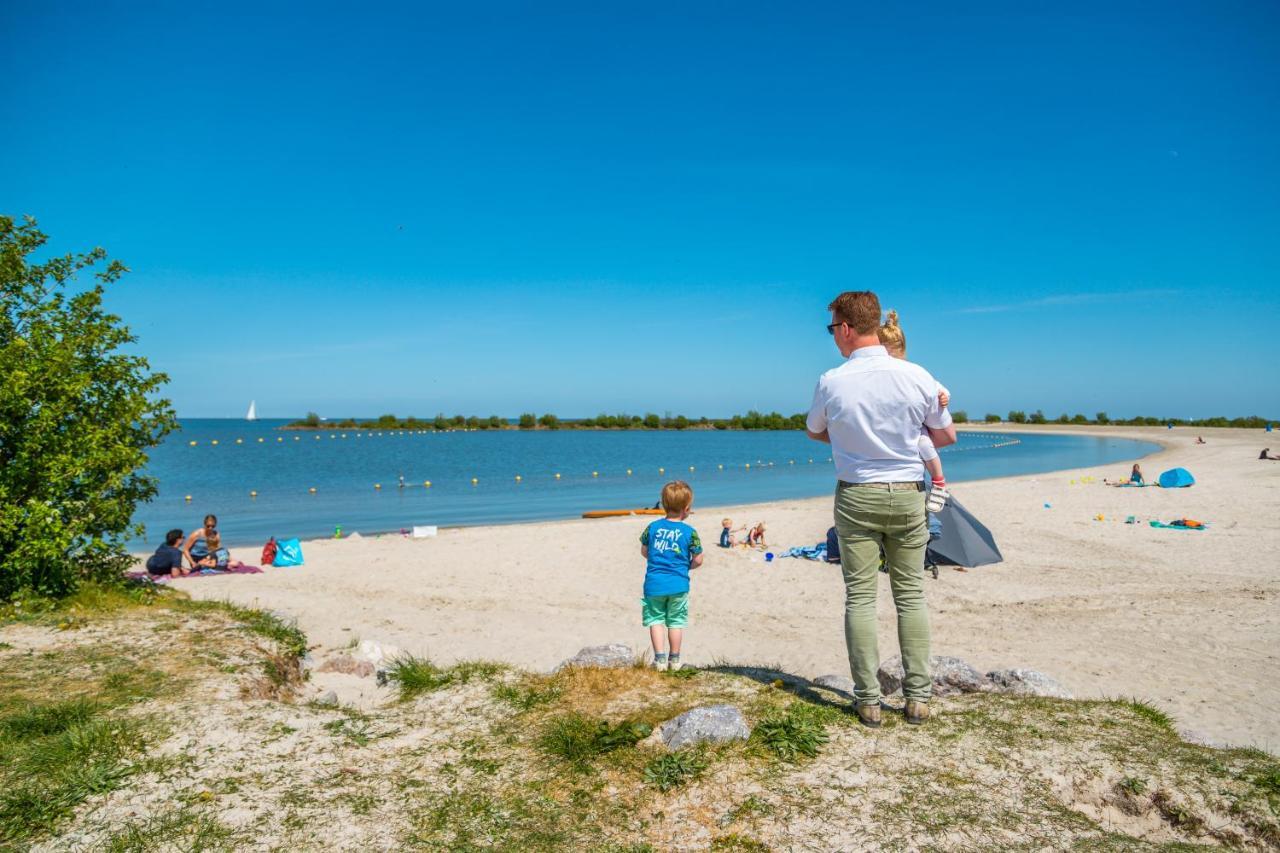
(813, 552)
(1181, 524)
(239, 570)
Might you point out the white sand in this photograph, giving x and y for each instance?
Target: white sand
(1185, 619)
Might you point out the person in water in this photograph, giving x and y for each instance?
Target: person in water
(197, 545)
(168, 558)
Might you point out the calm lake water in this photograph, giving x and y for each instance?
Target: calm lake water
(281, 466)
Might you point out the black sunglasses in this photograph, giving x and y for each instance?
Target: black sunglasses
(831, 329)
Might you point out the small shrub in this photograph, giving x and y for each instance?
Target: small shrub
(792, 734)
(675, 768)
(416, 675)
(525, 697)
(1132, 785)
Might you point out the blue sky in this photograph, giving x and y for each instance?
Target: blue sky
(496, 208)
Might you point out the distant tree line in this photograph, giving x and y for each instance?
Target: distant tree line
(1102, 419)
(752, 420)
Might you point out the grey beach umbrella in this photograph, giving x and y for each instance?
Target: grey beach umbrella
(964, 541)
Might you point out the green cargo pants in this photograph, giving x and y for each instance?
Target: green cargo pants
(867, 519)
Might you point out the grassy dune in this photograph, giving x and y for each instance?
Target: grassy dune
(138, 721)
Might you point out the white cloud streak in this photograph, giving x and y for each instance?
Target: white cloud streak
(1070, 299)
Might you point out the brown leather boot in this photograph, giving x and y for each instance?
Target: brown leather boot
(869, 715)
(916, 712)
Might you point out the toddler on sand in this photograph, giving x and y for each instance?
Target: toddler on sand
(671, 548)
(895, 343)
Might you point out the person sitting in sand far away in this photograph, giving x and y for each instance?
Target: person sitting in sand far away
(197, 546)
(755, 537)
(167, 560)
(1266, 454)
(1135, 478)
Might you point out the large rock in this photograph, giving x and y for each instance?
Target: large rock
(838, 683)
(704, 724)
(611, 655)
(951, 676)
(1027, 682)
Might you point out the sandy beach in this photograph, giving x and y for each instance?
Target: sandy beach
(1185, 619)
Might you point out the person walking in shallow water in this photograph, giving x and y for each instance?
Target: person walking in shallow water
(870, 410)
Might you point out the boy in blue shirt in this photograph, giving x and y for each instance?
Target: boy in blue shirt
(671, 548)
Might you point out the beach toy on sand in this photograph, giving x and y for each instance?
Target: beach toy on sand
(337, 532)
(768, 556)
(1046, 506)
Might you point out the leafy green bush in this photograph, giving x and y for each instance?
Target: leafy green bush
(675, 768)
(795, 733)
(77, 416)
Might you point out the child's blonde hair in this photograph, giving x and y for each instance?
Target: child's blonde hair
(728, 522)
(676, 497)
(213, 540)
(891, 336)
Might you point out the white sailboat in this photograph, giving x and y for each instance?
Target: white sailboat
(252, 414)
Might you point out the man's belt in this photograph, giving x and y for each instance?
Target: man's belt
(913, 486)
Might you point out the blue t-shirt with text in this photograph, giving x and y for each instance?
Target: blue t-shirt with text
(672, 546)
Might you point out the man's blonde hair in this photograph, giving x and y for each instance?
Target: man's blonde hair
(859, 308)
(676, 497)
(892, 337)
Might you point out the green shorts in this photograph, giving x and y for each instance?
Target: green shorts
(669, 610)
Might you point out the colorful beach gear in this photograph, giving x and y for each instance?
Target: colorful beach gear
(1176, 478)
(1181, 524)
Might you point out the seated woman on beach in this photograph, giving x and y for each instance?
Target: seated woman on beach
(1266, 454)
(197, 546)
(1135, 478)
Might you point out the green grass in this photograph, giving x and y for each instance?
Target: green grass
(183, 829)
(578, 739)
(1148, 712)
(414, 675)
(676, 768)
(525, 696)
(54, 756)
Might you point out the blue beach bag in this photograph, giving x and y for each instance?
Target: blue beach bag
(288, 553)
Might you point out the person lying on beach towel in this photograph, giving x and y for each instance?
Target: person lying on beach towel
(240, 569)
(1266, 454)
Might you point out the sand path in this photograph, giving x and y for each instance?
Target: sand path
(1188, 620)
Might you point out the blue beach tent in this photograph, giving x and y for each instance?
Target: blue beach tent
(1176, 478)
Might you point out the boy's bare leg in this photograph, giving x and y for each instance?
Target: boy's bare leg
(656, 637)
(674, 636)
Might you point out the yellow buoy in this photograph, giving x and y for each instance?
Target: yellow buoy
(518, 478)
(253, 494)
(297, 438)
(474, 480)
(261, 440)
(344, 435)
(628, 472)
(239, 441)
(426, 484)
(595, 473)
(280, 439)
(312, 490)
(331, 435)
(377, 485)
(317, 438)
(192, 443)
(721, 467)
(662, 470)
(791, 461)
(690, 467)
(188, 498)
(557, 476)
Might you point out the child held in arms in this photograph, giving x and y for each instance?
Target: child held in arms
(895, 343)
(670, 548)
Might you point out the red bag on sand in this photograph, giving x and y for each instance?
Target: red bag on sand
(269, 552)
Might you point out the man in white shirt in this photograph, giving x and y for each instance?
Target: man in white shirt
(870, 410)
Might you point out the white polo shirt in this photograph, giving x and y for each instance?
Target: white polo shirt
(872, 407)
